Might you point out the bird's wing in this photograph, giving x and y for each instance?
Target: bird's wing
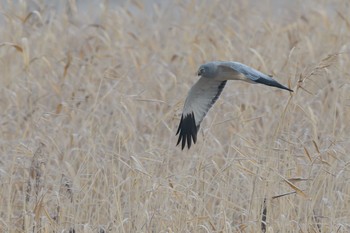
(200, 98)
(252, 74)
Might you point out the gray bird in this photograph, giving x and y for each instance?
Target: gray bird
(207, 90)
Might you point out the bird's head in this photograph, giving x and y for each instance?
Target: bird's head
(207, 70)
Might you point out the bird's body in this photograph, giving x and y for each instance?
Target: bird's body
(207, 90)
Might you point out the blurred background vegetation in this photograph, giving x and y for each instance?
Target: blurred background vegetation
(91, 97)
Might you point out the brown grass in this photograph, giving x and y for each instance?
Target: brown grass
(91, 98)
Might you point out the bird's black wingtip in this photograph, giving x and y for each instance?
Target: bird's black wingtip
(271, 82)
(187, 131)
(286, 88)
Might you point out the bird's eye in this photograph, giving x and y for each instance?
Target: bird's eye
(200, 71)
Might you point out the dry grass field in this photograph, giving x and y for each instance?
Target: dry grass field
(92, 94)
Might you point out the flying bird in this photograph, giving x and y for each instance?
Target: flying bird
(207, 90)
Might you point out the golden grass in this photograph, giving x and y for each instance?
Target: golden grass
(91, 101)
